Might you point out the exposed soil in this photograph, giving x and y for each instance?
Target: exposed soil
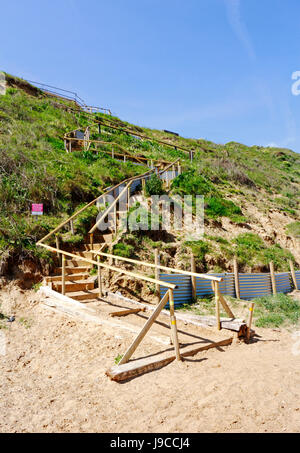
(52, 378)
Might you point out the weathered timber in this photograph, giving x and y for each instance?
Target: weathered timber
(137, 367)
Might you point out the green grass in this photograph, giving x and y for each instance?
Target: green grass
(35, 168)
(118, 358)
(276, 310)
(293, 229)
(125, 250)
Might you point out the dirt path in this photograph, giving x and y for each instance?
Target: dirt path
(52, 379)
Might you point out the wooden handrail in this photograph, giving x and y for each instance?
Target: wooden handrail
(137, 156)
(107, 266)
(109, 208)
(164, 268)
(145, 137)
(93, 202)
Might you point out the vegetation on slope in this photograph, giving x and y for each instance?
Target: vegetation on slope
(35, 168)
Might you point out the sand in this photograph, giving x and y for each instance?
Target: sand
(52, 379)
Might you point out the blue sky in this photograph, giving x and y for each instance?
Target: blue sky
(214, 69)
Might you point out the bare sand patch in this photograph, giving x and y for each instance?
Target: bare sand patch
(52, 378)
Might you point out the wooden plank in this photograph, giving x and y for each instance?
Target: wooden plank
(127, 312)
(137, 367)
(144, 330)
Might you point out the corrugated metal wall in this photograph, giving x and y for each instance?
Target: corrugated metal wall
(254, 285)
(183, 293)
(251, 285)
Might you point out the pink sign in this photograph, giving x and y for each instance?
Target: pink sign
(37, 209)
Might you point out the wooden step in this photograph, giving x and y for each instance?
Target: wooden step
(73, 286)
(88, 247)
(80, 253)
(72, 270)
(57, 278)
(84, 295)
(74, 263)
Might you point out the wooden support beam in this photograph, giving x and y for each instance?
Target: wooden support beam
(72, 226)
(144, 330)
(99, 278)
(193, 278)
(236, 278)
(127, 312)
(251, 308)
(217, 301)
(138, 367)
(63, 275)
(156, 260)
(273, 280)
(57, 246)
(173, 324)
(225, 305)
(293, 275)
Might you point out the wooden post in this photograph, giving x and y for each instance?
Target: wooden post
(99, 277)
(293, 275)
(273, 281)
(72, 226)
(144, 330)
(99, 128)
(250, 321)
(156, 260)
(193, 278)
(70, 146)
(63, 275)
(115, 218)
(143, 184)
(124, 157)
(217, 300)
(128, 197)
(173, 324)
(57, 246)
(179, 169)
(173, 171)
(112, 153)
(236, 278)
(92, 239)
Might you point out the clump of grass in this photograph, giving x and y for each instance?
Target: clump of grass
(276, 310)
(293, 229)
(251, 250)
(154, 186)
(125, 250)
(118, 358)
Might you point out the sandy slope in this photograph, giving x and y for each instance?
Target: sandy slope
(52, 379)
